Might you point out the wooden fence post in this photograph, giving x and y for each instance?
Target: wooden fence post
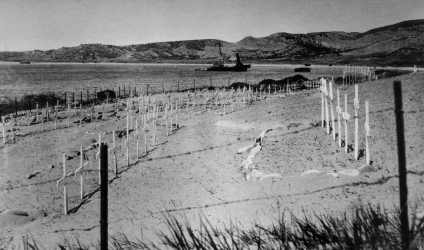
(103, 197)
(403, 188)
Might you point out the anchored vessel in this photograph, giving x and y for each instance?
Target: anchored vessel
(219, 66)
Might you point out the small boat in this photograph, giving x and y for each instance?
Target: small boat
(25, 62)
(303, 69)
(307, 64)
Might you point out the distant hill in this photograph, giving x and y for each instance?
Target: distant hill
(400, 44)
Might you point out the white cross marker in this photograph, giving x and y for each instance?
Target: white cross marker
(42, 120)
(367, 132)
(346, 118)
(65, 193)
(4, 133)
(47, 108)
(339, 113)
(126, 143)
(114, 149)
(330, 95)
(36, 113)
(55, 117)
(69, 112)
(80, 170)
(145, 139)
(11, 130)
(81, 114)
(356, 106)
(324, 95)
(98, 156)
(137, 137)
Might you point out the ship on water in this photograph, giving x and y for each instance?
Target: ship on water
(220, 65)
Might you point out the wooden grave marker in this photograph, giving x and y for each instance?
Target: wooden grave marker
(80, 171)
(98, 155)
(339, 111)
(4, 133)
(367, 133)
(42, 120)
(346, 117)
(356, 107)
(55, 116)
(114, 150)
(127, 142)
(62, 180)
(69, 113)
(330, 96)
(137, 137)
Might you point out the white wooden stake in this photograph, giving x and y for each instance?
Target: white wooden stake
(166, 124)
(136, 137)
(69, 113)
(4, 133)
(81, 114)
(145, 139)
(339, 113)
(126, 143)
(114, 149)
(42, 120)
(65, 193)
(367, 132)
(356, 106)
(330, 95)
(98, 156)
(171, 124)
(55, 117)
(322, 102)
(11, 130)
(346, 117)
(47, 110)
(327, 118)
(80, 170)
(154, 133)
(36, 113)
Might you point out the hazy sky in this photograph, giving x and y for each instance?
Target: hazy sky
(51, 24)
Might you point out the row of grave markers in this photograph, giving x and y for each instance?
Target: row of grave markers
(173, 113)
(327, 96)
(151, 115)
(353, 74)
(222, 97)
(45, 113)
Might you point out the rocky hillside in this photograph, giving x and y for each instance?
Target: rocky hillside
(401, 44)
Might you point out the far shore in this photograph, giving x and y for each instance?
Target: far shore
(208, 64)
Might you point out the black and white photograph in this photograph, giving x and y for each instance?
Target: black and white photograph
(200, 124)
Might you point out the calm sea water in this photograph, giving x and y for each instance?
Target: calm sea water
(19, 80)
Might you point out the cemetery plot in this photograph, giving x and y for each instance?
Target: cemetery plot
(288, 157)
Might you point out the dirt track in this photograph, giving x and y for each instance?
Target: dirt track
(196, 170)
